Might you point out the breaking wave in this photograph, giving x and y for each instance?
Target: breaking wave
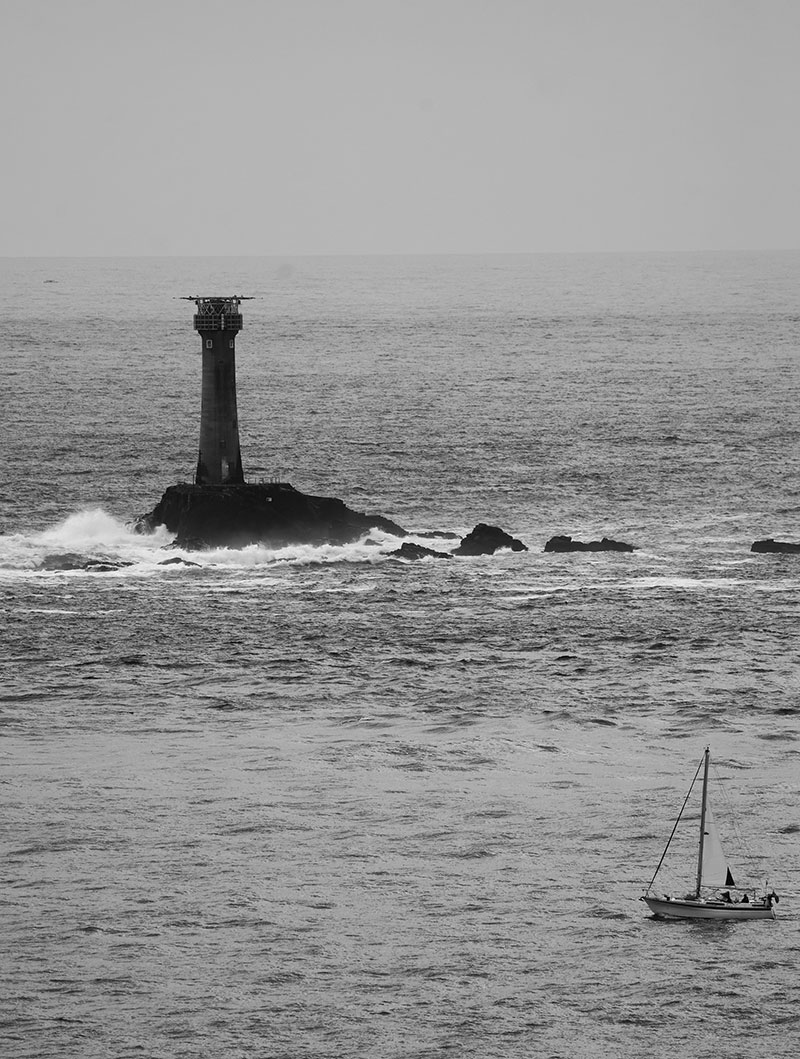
(92, 541)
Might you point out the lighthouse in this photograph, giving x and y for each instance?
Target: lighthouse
(218, 320)
(220, 509)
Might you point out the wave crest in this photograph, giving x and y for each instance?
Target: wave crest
(94, 541)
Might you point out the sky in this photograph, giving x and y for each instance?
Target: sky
(289, 127)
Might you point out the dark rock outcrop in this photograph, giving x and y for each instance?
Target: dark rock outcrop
(64, 561)
(485, 540)
(408, 550)
(276, 514)
(769, 545)
(567, 544)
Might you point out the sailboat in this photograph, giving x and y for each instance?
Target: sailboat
(711, 897)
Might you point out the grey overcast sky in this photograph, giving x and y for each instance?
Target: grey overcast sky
(398, 126)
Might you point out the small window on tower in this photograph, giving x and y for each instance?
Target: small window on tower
(230, 342)
(209, 343)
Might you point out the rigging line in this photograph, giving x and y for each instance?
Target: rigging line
(675, 825)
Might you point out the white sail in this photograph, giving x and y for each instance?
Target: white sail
(715, 867)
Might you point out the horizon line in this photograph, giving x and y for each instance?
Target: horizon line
(405, 253)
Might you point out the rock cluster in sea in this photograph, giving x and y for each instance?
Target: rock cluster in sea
(277, 514)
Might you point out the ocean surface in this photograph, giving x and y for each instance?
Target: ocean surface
(320, 802)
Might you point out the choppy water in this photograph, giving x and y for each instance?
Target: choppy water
(318, 802)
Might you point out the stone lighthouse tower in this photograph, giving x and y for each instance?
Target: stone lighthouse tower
(220, 460)
(220, 509)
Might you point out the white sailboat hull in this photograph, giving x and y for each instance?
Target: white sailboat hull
(682, 909)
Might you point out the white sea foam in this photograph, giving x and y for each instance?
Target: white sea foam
(91, 534)
(95, 535)
(95, 528)
(255, 555)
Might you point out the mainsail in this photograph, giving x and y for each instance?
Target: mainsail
(715, 870)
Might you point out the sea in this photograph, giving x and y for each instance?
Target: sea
(325, 803)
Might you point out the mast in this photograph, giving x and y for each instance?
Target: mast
(702, 823)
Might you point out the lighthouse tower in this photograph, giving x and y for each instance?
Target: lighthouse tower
(220, 460)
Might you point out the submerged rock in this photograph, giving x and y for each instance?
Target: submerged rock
(567, 544)
(65, 561)
(444, 535)
(485, 540)
(769, 545)
(104, 566)
(408, 550)
(277, 514)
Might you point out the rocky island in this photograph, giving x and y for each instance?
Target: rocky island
(277, 514)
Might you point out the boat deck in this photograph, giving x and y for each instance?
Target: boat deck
(669, 908)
